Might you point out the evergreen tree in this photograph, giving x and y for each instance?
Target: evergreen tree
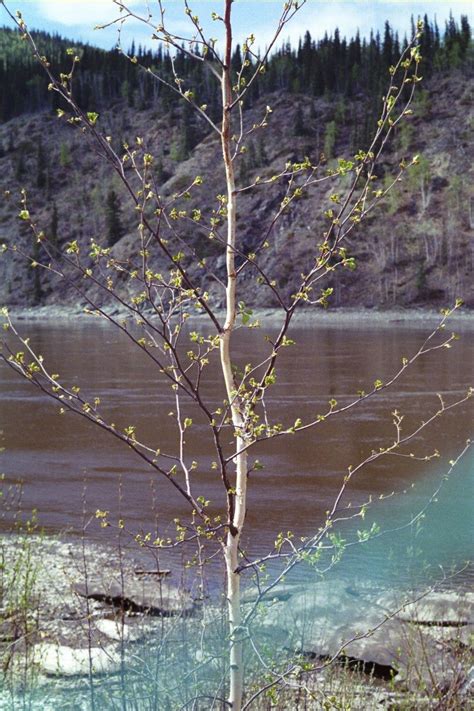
(237, 59)
(333, 65)
(299, 128)
(387, 49)
(261, 153)
(53, 226)
(243, 170)
(64, 155)
(159, 171)
(20, 164)
(188, 132)
(187, 137)
(41, 166)
(114, 228)
(465, 38)
(330, 139)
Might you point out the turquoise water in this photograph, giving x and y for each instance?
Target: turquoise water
(438, 543)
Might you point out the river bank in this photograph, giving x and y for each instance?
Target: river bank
(74, 613)
(403, 317)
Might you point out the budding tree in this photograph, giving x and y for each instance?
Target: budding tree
(168, 280)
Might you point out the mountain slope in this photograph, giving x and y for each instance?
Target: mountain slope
(415, 249)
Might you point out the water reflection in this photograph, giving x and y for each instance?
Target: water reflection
(64, 461)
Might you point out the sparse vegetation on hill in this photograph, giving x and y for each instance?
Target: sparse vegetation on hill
(324, 96)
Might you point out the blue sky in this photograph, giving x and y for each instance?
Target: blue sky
(76, 19)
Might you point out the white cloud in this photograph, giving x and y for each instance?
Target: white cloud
(319, 16)
(75, 13)
(76, 18)
(80, 17)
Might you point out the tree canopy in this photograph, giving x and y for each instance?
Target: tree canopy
(331, 66)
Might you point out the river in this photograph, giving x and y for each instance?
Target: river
(69, 468)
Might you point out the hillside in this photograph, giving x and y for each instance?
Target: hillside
(416, 249)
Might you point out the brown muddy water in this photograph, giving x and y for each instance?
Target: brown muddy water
(69, 469)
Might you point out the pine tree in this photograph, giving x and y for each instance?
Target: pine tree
(465, 34)
(41, 166)
(299, 128)
(387, 49)
(53, 226)
(64, 155)
(188, 134)
(330, 139)
(20, 167)
(261, 153)
(113, 222)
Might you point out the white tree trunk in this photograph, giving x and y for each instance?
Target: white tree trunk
(237, 499)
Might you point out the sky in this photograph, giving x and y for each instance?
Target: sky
(76, 19)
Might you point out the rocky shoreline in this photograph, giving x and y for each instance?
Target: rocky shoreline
(77, 591)
(73, 609)
(366, 317)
